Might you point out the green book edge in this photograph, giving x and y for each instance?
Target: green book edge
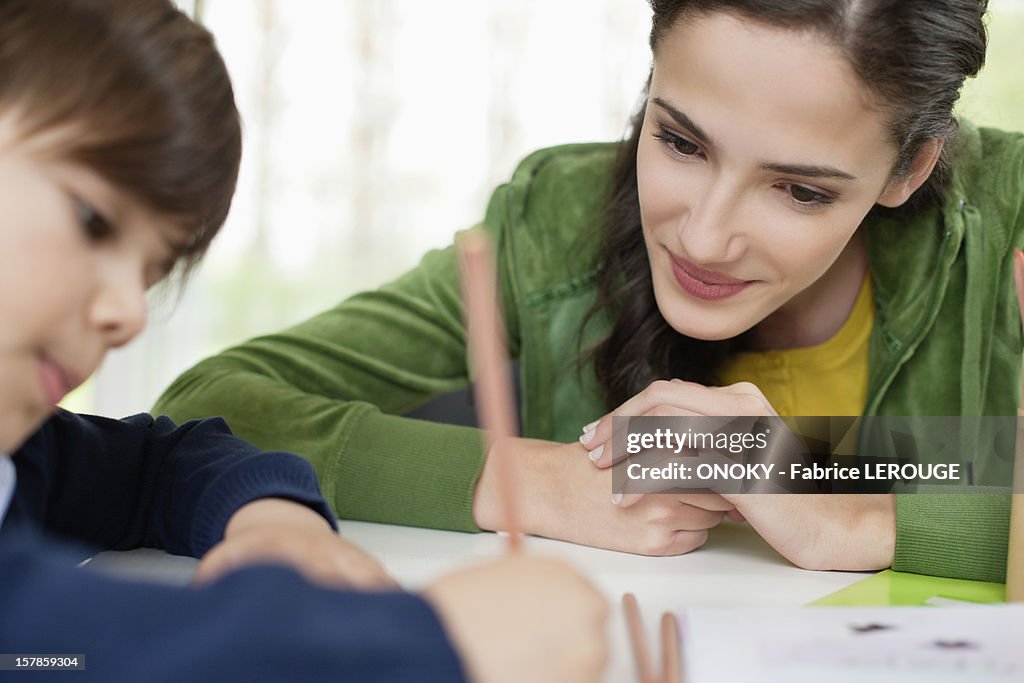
(898, 588)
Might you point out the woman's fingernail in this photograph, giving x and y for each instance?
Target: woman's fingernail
(596, 453)
(616, 498)
(587, 437)
(590, 427)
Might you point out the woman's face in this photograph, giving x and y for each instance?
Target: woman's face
(759, 156)
(78, 257)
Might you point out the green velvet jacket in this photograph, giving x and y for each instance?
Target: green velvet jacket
(946, 341)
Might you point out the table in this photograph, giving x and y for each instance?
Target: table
(735, 568)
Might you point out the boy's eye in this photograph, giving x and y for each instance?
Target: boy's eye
(96, 226)
(159, 271)
(676, 143)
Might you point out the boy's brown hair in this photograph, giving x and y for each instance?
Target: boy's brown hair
(133, 90)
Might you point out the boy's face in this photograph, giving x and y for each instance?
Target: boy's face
(78, 256)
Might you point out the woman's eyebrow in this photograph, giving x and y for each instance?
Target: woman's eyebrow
(806, 170)
(685, 121)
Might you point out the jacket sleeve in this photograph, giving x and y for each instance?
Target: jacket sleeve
(965, 536)
(333, 387)
(962, 536)
(259, 624)
(121, 484)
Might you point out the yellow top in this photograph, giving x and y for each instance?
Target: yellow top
(830, 378)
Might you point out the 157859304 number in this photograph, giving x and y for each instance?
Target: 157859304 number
(39, 662)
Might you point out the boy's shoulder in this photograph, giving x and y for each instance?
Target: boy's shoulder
(66, 436)
(64, 425)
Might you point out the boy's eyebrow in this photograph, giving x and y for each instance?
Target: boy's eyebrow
(177, 249)
(806, 170)
(177, 246)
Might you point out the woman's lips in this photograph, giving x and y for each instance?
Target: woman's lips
(705, 284)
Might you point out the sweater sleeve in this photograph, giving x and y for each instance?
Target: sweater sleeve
(259, 624)
(121, 484)
(333, 388)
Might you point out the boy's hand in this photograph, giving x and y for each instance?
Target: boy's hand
(278, 531)
(523, 618)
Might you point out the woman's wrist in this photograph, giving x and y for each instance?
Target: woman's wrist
(534, 466)
(859, 535)
(876, 529)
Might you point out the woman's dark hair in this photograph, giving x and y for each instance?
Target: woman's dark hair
(913, 55)
(135, 91)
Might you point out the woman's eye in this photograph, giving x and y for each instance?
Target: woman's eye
(806, 196)
(676, 143)
(95, 226)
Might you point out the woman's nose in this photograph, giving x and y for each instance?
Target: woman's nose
(712, 230)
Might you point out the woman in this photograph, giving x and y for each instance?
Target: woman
(793, 210)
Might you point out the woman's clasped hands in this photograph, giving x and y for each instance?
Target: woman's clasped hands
(566, 497)
(814, 531)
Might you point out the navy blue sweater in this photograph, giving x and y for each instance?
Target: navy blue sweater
(102, 484)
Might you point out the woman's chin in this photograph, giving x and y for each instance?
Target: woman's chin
(697, 324)
(706, 330)
(706, 320)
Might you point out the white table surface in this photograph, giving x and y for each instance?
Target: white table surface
(734, 568)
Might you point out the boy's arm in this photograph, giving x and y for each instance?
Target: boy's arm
(262, 623)
(144, 481)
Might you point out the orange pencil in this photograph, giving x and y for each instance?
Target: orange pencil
(635, 627)
(494, 394)
(1015, 551)
(671, 656)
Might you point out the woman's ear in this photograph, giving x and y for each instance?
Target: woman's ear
(900, 187)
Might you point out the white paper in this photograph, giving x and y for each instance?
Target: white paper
(854, 644)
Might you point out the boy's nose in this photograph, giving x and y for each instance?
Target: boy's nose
(119, 309)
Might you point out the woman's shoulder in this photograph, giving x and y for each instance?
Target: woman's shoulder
(566, 161)
(986, 193)
(550, 213)
(997, 142)
(988, 165)
(562, 181)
